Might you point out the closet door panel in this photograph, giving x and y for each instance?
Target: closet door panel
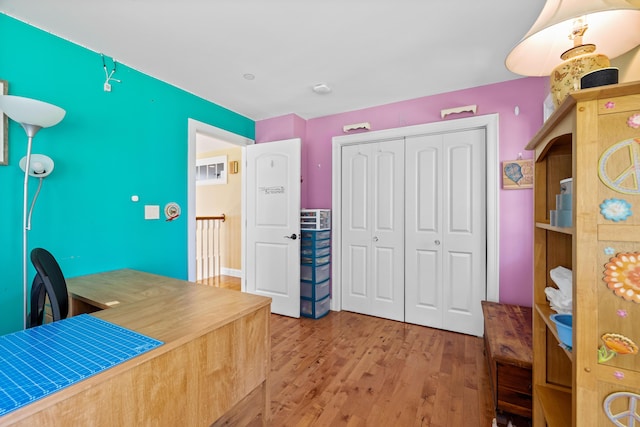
(464, 237)
(458, 290)
(423, 242)
(428, 294)
(384, 275)
(373, 222)
(460, 203)
(388, 229)
(357, 186)
(356, 229)
(425, 190)
(358, 259)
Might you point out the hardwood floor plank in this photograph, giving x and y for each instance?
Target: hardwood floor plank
(352, 370)
(229, 282)
(348, 369)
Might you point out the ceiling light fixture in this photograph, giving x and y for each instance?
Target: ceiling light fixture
(321, 89)
(249, 76)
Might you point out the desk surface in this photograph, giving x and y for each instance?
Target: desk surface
(160, 307)
(39, 361)
(185, 316)
(118, 287)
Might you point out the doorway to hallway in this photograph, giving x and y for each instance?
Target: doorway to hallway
(214, 197)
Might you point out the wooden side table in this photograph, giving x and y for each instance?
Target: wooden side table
(508, 347)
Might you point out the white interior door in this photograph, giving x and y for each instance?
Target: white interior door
(272, 261)
(373, 229)
(446, 230)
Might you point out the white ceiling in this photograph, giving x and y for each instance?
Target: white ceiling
(370, 52)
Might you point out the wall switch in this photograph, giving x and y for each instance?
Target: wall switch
(151, 211)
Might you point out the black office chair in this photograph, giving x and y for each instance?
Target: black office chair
(50, 281)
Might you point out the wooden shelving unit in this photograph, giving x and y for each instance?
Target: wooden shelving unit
(570, 385)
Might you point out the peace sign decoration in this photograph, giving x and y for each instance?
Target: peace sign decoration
(628, 417)
(626, 181)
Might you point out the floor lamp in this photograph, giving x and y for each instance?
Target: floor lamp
(32, 115)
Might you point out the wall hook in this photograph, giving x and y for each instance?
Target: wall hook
(109, 75)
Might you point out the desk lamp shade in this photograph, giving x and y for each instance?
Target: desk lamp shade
(40, 166)
(610, 26)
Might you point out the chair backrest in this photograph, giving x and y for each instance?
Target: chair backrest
(50, 281)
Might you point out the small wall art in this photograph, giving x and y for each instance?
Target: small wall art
(211, 170)
(4, 136)
(517, 174)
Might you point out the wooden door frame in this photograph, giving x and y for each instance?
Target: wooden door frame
(487, 122)
(194, 127)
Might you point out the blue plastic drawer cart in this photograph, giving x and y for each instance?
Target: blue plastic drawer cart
(315, 273)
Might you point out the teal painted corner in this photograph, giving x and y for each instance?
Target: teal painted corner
(110, 146)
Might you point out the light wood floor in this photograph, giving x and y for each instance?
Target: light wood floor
(348, 369)
(228, 282)
(353, 370)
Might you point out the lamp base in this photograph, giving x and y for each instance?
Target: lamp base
(579, 60)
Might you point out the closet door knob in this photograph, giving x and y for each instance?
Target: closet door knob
(437, 242)
(375, 238)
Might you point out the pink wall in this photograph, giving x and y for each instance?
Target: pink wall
(287, 127)
(516, 206)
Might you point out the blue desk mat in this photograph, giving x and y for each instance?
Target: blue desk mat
(39, 361)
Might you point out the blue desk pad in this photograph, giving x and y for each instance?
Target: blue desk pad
(39, 361)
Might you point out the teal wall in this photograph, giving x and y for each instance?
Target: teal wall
(110, 146)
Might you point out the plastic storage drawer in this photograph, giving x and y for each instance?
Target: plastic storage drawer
(309, 244)
(315, 291)
(309, 251)
(315, 274)
(315, 260)
(317, 235)
(314, 309)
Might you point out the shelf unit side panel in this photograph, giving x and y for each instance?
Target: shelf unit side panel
(585, 316)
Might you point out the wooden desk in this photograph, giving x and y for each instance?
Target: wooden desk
(508, 345)
(212, 369)
(108, 290)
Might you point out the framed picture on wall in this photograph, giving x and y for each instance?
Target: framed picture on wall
(211, 170)
(4, 137)
(517, 174)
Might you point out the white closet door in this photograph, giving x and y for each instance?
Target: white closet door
(446, 230)
(373, 229)
(423, 245)
(356, 228)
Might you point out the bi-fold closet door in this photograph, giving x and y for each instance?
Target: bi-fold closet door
(445, 229)
(373, 229)
(414, 233)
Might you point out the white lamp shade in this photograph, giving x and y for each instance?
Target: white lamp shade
(40, 166)
(31, 111)
(613, 26)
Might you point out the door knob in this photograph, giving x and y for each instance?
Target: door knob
(293, 236)
(375, 238)
(437, 242)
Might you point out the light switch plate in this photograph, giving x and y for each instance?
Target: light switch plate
(151, 211)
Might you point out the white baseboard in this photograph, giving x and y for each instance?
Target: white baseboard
(230, 272)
